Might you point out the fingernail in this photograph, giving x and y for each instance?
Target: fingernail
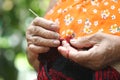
(56, 42)
(54, 25)
(73, 40)
(64, 42)
(57, 35)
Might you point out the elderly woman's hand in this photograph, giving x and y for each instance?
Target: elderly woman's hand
(41, 35)
(95, 51)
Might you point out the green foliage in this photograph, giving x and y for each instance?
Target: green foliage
(14, 19)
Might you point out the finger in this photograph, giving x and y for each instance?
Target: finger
(63, 51)
(66, 49)
(87, 41)
(38, 49)
(73, 54)
(81, 42)
(68, 46)
(47, 24)
(81, 57)
(39, 31)
(65, 44)
(45, 42)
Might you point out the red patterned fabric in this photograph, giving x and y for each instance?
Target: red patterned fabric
(55, 75)
(105, 74)
(51, 68)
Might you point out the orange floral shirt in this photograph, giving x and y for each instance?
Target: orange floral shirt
(78, 18)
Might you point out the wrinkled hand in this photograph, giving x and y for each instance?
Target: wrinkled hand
(41, 35)
(104, 50)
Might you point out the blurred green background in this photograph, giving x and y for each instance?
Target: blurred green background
(14, 19)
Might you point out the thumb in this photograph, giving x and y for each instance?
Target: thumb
(75, 55)
(83, 42)
(71, 53)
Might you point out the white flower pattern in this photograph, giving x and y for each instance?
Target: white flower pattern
(95, 2)
(80, 21)
(112, 7)
(114, 28)
(88, 23)
(113, 17)
(96, 23)
(105, 14)
(68, 19)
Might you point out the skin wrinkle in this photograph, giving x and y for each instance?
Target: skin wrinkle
(37, 49)
(32, 60)
(41, 41)
(98, 39)
(50, 34)
(100, 60)
(114, 49)
(46, 24)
